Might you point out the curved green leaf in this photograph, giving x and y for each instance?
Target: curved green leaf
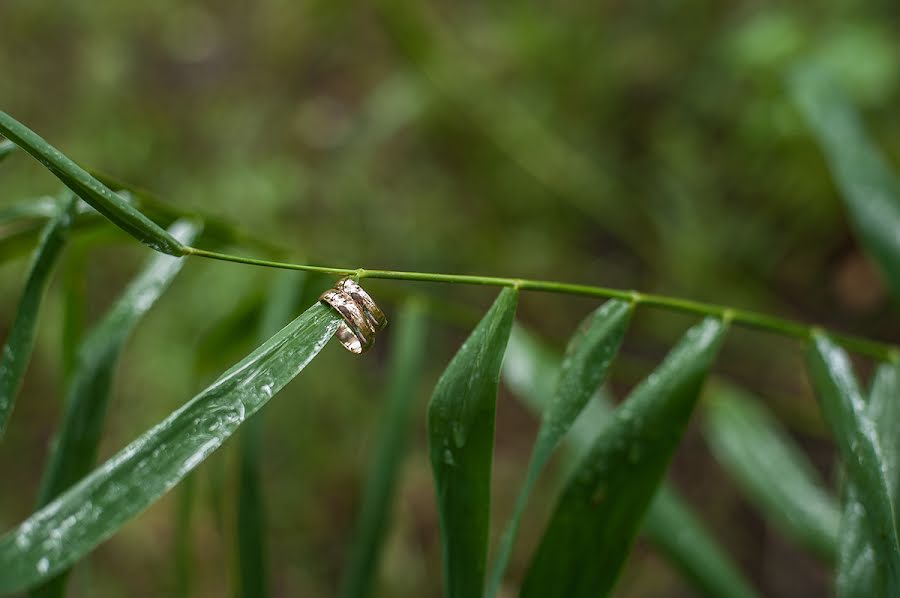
(588, 357)
(857, 440)
(597, 517)
(96, 507)
(461, 440)
(871, 191)
(530, 371)
(755, 450)
(857, 572)
(75, 446)
(251, 516)
(105, 201)
(20, 340)
(407, 358)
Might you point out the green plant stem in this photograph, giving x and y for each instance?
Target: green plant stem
(748, 319)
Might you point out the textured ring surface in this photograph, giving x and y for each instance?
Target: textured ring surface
(356, 332)
(364, 300)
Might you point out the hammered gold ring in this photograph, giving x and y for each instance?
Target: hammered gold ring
(362, 318)
(373, 313)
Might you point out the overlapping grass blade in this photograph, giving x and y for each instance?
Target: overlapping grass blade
(20, 340)
(183, 546)
(598, 515)
(74, 523)
(251, 515)
(530, 371)
(461, 440)
(588, 357)
(407, 356)
(75, 446)
(755, 450)
(857, 570)
(869, 187)
(98, 195)
(856, 436)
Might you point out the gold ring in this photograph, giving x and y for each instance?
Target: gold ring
(375, 316)
(356, 332)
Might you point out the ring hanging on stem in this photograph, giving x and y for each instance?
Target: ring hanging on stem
(363, 319)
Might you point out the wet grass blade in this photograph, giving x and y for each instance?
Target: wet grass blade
(20, 340)
(461, 440)
(588, 357)
(251, 514)
(598, 515)
(92, 191)
(75, 446)
(530, 371)
(857, 571)
(755, 450)
(78, 520)
(869, 187)
(857, 441)
(407, 357)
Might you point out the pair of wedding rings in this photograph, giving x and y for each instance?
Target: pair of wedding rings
(362, 318)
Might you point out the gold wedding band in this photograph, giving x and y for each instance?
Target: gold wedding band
(362, 317)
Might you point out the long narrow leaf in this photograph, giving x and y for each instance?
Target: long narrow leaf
(461, 439)
(75, 447)
(857, 572)
(407, 357)
(857, 440)
(755, 450)
(530, 370)
(19, 342)
(105, 201)
(597, 517)
(870, 189)
(588, 357)
(96, 507)
(251, 516)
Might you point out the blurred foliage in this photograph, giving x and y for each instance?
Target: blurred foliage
(638, 145)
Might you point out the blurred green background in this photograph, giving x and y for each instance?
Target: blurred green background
(636, 145)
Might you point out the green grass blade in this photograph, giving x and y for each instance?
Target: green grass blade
(857, 574)
(588, 357)
(98, 195)
(75, 447)
(20, 340)
(755, 450)
(96, 507)
(251, 515)
(678, 533)
(461, 440)
(857, 440)
(7, 147)
(870, 189)
(599, 513)
(530, 371)
(407, 357)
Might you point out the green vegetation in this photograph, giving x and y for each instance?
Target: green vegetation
(596, 144)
